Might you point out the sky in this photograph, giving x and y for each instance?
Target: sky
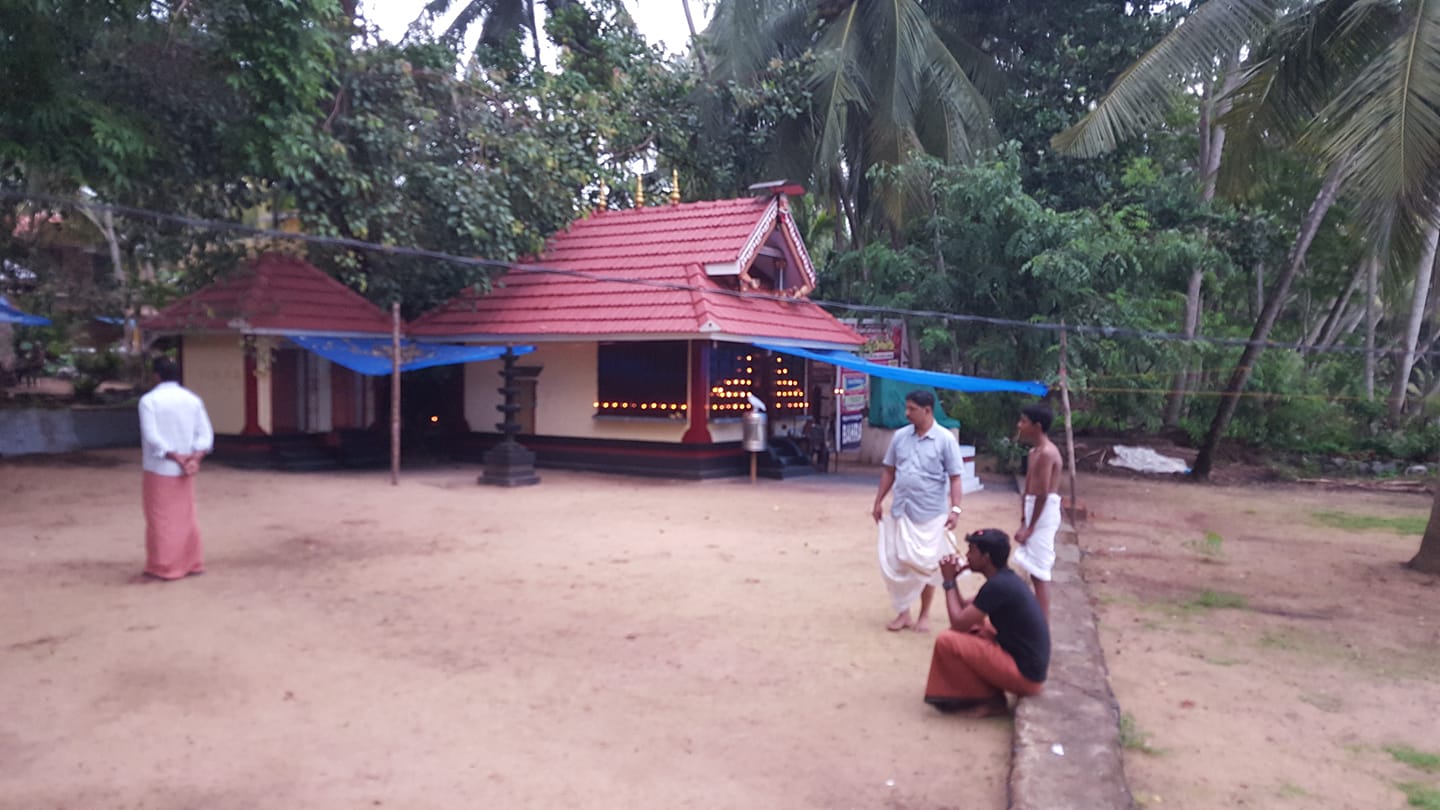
(659, 20)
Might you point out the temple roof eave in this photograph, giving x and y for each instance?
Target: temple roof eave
(632, 337)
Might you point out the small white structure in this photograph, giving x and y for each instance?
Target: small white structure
(874, 441)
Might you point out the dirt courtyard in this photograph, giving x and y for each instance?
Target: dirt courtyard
(1266, 645)
(602, 641)
(594, 641)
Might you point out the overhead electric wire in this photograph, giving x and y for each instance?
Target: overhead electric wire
(527, 267)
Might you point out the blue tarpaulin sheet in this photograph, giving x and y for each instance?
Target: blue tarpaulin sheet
(9, 314)
(371, 356)
(949, 382)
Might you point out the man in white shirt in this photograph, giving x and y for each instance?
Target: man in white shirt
(175, 434)
(923, 466)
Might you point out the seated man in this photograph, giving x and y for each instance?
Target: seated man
(977, 661)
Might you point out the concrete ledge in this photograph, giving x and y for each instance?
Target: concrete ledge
(24, 431)
(1076, 714)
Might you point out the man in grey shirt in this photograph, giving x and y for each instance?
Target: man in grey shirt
(923, 467)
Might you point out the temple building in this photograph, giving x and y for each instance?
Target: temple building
(272, 401)
(645, 323)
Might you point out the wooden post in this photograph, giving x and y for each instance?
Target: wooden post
(754, 461)
(395, 394)
(1069, 431)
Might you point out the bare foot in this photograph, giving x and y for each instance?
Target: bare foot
(146, 578)
(923, 625)
(900, 622)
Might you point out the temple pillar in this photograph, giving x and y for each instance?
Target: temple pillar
(699, 431)
(252, 392)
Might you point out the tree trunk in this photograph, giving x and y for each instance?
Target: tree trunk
(1406, 361)
(695, 41)
(1176, 402)
(535, 34)
(1335, 321)
(1427, 559)
(1352, 322)
(1231, 397)
(1259, 290)
(1214, 107)
(1212, 147)
(1372, 316)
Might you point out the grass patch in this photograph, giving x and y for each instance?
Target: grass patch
(1354, 522)
(1133, 739)
(1422, 760)
(1210, 549)
(1325, 703)
(1215, 600)
(1279, 641)
(1422, 796)
(1215, 660)
(1288, 789)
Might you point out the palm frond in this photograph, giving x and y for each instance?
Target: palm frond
(1387, 122)
(979, 66)
(506, 20)
(1140, 96)
(968, 122)
(898, 32)
(744, 35)
(473, 12)
(1306, 56)
(839, 84)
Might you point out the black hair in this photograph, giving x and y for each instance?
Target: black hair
(1040, 414)
(993, 543)
(166, 369)
(924, 399)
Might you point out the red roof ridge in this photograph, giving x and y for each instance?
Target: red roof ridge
(278, 293)
(697, 281)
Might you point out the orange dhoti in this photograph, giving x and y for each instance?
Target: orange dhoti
(172, 535)
(973, 667)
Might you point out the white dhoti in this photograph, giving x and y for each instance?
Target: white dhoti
(910, 553)
(1037, 554)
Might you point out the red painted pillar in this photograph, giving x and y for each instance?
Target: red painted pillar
(252, 392)
(699, 432)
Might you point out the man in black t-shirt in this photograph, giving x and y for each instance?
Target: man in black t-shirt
(997, 643)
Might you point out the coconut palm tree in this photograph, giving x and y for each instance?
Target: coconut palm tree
(499, 20)
(884, 86)
(1355, 83)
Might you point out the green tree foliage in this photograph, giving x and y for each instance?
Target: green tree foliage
(223, 110)
(987, 246)
(1046, 63)
(882, 86)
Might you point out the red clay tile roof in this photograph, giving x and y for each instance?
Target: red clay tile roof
(276, 294)
(666, 246)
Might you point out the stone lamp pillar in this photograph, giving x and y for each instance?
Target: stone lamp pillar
(508, 464)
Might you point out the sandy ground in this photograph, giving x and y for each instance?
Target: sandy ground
(590, 642)
(1313, 653)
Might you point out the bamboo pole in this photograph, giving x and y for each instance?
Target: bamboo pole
(1069, 431)
(395, 394)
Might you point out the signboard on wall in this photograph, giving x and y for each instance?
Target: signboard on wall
(884, 341)
(854, 392)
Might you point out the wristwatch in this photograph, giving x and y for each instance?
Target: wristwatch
(948, 584)
(957, 510)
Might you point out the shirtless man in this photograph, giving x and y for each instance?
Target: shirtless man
(1040, 503)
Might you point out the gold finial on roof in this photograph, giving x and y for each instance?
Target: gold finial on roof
(639, 190)
(604, 202)
(674, 186)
